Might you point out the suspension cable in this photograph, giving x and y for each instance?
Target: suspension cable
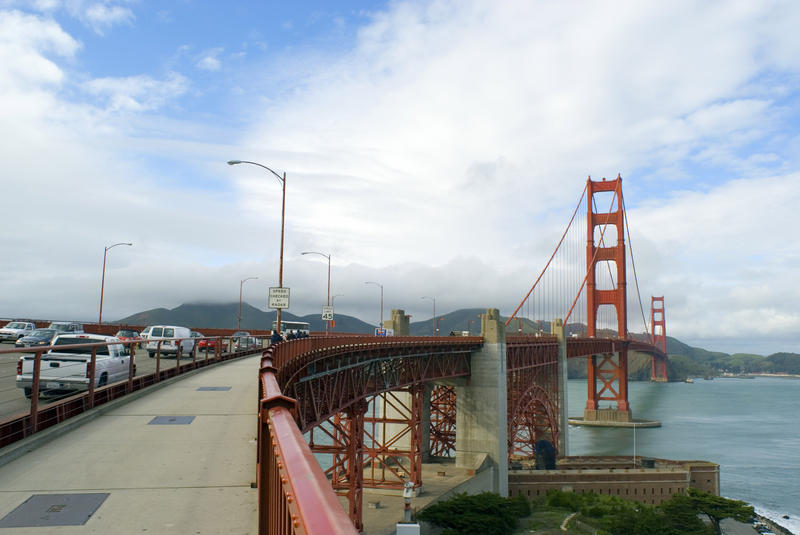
(551, 256)
(594, 257)
(633, 264)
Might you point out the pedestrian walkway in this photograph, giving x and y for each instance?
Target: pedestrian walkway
(178, 460)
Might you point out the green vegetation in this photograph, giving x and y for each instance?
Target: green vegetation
(486, 513)
(611, 515)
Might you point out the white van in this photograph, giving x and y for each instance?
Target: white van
(168, 336)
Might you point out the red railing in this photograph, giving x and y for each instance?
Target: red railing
(294, 496)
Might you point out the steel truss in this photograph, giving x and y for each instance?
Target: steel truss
(610, 370)
(443, 421)
(333, 380)
(532, 394)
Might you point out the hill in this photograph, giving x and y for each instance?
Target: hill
(223, 316)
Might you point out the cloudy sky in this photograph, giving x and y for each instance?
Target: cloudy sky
(436, 147)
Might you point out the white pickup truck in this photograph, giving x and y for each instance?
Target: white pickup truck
(67, 369)
(15, 330)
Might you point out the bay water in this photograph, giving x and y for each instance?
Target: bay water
(750, 427)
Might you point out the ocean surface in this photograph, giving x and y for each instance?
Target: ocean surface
(750, 427)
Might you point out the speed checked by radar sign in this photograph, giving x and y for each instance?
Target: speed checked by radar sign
(278, 298)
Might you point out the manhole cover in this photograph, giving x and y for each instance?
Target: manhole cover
(54, 510)
(171, 420)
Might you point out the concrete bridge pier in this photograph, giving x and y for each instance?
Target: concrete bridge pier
(481, 406)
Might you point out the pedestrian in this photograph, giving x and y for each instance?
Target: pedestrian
(275, 338)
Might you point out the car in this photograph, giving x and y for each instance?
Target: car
(66, 327)
(129, 335)
(247, 343)
(39, 337)
(165, 338)
(15, 330)
(65, 368)
(208, 344)
(145, 333)
(238, 334)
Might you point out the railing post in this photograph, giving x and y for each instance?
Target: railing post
(131, 368)
(158, 362)
(37, 369)
(92, 369)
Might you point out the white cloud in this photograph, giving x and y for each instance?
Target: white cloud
(101, 17)
(441, 156)
(25, 42)
(138, 93)
(209, 60)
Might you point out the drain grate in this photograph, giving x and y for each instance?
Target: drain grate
(54, 510)
(171, 420)
(213, 388)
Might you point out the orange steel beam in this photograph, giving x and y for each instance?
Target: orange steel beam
(607, 371)
(658, 337)
(443, 421)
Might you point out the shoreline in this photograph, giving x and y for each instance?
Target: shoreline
(773, 525)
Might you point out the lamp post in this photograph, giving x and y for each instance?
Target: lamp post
(333, 304)
(469, 325)
(103, 279)
(241, 283)
(282, 180)
(433, 320)
(381, 285)
(328, 302)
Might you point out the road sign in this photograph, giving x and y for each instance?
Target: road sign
(380, 332)
(278, 298)
(327, 313)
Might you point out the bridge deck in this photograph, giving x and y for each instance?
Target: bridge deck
(173, 478)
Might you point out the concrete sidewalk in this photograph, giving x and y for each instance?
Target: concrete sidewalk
(176, 475)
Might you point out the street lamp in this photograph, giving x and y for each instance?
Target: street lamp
(381, 285)
(469, 326)
(241, 283)
(433, 320)
(328, 302)
(283, 218)
(103, 279)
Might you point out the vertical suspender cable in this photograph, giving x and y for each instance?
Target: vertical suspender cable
(633, 265)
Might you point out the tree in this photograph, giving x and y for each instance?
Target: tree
(486, 513)
(718, 508)
(680, 517)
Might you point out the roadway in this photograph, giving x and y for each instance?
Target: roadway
(13, 400)
(187, 475)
